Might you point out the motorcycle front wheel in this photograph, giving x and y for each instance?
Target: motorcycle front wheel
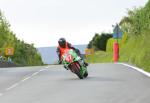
(85, 74)
(75, 68)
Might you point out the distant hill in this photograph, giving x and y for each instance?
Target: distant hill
(49, 55)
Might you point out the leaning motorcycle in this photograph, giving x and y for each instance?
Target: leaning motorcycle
(74, 63)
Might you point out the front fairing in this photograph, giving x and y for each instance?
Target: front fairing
(69, 57)
(74, 58)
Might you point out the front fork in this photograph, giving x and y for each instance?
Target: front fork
(83, 67)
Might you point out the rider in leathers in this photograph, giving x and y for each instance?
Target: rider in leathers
(62, 45)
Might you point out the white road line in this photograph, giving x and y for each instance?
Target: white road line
(1, 94)
(47, 67)
(32, 75)
(35, 73)
(42, 70)
(25, 79)
(16, 84)
(50, 66)
(13, 86)
(136, 68)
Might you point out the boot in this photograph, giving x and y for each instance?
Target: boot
(65, 67)
(86, 64)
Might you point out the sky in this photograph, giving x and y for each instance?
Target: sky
(43, 22)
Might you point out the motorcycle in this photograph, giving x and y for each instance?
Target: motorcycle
(74, 63)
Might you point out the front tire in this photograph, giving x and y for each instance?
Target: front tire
(75, 68)
(79, 76)
(85, 74)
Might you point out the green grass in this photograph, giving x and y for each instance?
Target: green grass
(100, 57)
(135, 51)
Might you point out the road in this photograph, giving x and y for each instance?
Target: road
(107, 83)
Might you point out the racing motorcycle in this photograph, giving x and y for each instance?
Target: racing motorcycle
(74, 63)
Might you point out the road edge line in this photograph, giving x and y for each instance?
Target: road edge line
(136, 68)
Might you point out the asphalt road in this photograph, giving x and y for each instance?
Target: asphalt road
(107, 83)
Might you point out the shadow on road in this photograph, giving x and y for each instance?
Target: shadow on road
(94, 79)
(102, 79)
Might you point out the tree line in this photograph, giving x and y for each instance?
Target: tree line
(137, 21)
(24, 53)
(99, 41)
(134, 46)
(135, 24)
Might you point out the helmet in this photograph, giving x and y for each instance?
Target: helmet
(62, 42)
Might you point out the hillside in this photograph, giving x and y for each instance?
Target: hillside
(135, 49)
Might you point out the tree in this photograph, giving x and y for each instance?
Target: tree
(99, 42)
(25, 54)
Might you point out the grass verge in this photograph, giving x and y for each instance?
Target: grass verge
(136, 51)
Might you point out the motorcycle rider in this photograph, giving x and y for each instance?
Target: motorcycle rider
(62, 45)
